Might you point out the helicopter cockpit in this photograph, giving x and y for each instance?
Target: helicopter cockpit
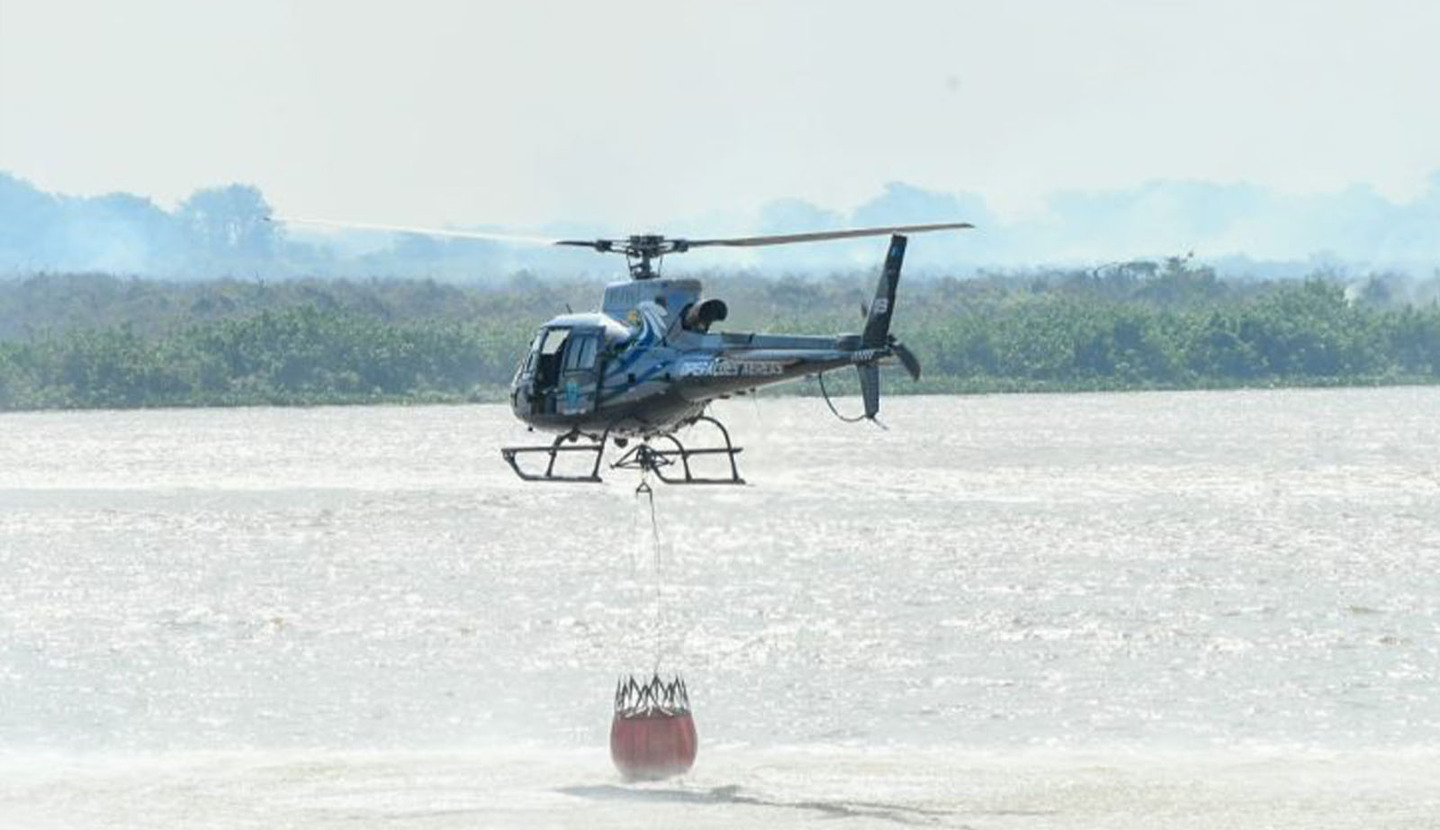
(562, 371)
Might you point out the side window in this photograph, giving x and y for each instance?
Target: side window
(581, 354)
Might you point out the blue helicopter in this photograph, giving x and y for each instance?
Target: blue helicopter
(647, 365)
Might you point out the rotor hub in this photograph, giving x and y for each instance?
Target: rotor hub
(644, 252)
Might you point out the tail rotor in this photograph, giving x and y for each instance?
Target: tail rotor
(907, 358)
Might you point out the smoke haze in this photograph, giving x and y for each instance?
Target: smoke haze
(1240, 229)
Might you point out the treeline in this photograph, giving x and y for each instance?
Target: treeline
(1305, 333)
(301, 355)
(74, 341)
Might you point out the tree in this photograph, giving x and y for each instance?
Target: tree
(228, 225)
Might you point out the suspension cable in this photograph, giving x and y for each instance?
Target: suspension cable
(646, 490)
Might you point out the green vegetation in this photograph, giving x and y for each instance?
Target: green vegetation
(79, 341)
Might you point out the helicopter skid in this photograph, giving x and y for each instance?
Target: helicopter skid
(648, 459)
(578, 444)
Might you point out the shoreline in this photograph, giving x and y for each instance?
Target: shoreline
(939, 387)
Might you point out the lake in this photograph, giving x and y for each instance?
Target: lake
(1195, 609)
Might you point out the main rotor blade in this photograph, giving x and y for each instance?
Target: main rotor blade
(601, 245)
(518, 239)
(816, 236)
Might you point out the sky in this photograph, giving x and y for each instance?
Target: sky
(646, 113)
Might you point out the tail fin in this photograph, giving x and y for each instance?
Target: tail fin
(877, 323)
(870, 388)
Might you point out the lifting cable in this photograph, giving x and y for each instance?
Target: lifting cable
(646, 490)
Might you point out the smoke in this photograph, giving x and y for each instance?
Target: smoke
(1237, 228)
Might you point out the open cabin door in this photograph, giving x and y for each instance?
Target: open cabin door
(543, 369)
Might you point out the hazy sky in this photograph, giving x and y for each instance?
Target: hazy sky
(641, 112)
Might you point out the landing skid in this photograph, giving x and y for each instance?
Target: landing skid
(647, 459)
(579, 443)
(664, 463)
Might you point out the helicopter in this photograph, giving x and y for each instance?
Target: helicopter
(647, 365)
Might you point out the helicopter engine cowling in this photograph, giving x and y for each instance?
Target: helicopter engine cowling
(699, 316)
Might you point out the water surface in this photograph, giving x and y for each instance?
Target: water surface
(1028, 611)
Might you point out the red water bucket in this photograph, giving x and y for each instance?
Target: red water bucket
(651, 747)
(652, 735)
